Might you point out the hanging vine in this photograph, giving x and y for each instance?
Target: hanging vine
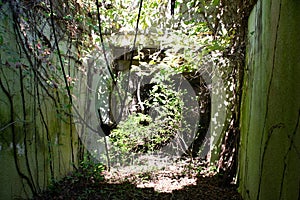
(233, 15)
(46, 42)
(54, 36)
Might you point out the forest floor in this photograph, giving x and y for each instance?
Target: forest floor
(187, 179)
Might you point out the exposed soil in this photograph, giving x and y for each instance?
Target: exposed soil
(184, 180)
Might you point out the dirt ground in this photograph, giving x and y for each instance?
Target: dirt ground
(187, 179)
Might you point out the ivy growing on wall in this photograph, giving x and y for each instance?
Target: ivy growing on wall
(56, 39)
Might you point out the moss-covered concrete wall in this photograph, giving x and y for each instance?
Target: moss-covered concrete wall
(270, 132)
(37, 143)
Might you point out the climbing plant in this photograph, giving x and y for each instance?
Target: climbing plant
(38, 52)
(55, 40)
(198, 34)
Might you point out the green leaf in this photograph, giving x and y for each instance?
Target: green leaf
(216, 2)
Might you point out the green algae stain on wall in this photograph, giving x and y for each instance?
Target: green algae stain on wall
(270, 143)
(36, 146)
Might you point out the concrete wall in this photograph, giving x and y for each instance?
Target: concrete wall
(270, 140)
(36, 142)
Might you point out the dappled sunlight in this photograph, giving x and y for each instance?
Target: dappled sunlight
(170, 178)
(186, 179)
(121, 99)
(166, 184)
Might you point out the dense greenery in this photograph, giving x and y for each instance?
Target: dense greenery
(61, 47)
(193, 40)
(187, 46)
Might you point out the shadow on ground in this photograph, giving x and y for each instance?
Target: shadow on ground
(87, 188)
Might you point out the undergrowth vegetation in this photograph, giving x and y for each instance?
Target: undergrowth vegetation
(153, 121)
(68, 57)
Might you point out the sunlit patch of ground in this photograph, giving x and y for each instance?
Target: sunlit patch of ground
(186, 179)
(172, 177)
